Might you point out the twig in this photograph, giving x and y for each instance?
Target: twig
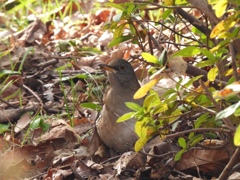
(161, 6)
(197, 130)
(234, 66)
(195, 22)
(214, 113)
(225, 173)
(159, 156)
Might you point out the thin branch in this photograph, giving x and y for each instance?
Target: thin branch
(195, 22)
(197, 130)
(234, 66)
(161, 6)
(225, 173)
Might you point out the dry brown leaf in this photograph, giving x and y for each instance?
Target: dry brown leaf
(22, 122)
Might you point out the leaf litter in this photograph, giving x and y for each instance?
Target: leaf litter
(52, 135)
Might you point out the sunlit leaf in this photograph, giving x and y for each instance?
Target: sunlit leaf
(187, 52)
(160, 108)
(169, 2)
(125, 117)
(149, 58)
(133, 106)
(140, 143)
(212, 74)
(228, 111)
(220, 45)
(220, 7)
(145, 88)
(181, 2)
(224, 26)
(140, 128)
(236, 138)
(151, 100)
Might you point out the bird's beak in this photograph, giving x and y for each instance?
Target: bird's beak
(107, 67)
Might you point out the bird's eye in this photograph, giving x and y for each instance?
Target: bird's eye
(121, 67)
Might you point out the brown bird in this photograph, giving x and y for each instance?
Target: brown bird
(123, 85)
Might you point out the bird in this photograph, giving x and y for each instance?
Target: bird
(123, 85)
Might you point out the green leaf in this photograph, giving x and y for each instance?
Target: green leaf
(140, 128)
(228, 111)
(163, 58)
(133, 106)
(114, 5)
(160, 108)
(207, 53)
(237, 112)
(4, 128)
(8, 72)
(150, 58)
(196, 139)
(212, 74)
(119, 30)
(190, 82)
(182, 142)
(132, 29)
(179, 155)
(166, 13)
(151, 100)
(39, 123)
(35, 123)
(44, 126)
(191, 134)
(125, 117)
(181, 2)
(203, 118)
(91, 106)
(119, 40)
(130, 8)
(202, 64)
(211, 135)
(175, 115)
(187, 52)
(220, 45)
(236, 138)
